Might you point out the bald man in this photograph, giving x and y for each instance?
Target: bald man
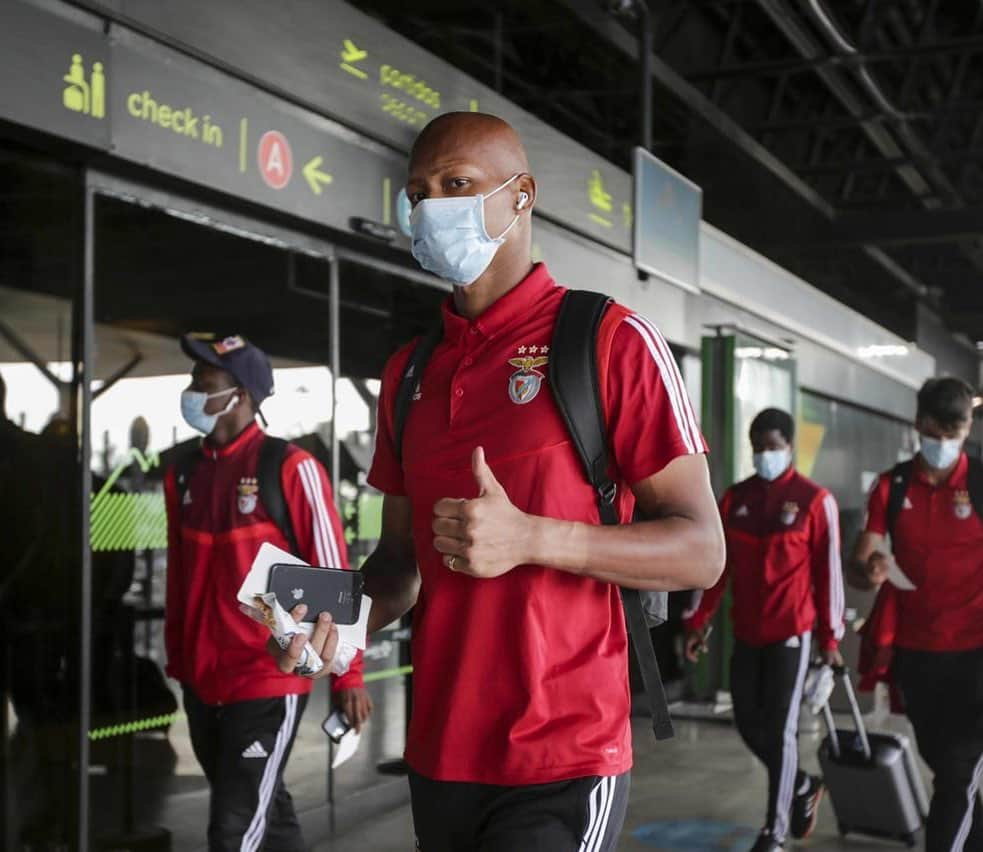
(520, 736)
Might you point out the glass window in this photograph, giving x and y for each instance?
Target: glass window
(763, 378)
(158, 276)
(380, 312)
(40, 500)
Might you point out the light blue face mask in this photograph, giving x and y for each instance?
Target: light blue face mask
(449, 236)
(193, 409)
(940, 453)
(771, 464)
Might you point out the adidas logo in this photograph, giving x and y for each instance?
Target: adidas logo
(255, 750)
(742, 512)
(187, 499)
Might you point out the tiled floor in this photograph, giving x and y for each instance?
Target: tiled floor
(704, 776)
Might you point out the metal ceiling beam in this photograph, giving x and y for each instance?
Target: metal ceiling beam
(775, 67)
(871, 164)
(611, 31)
(616, 35)
(900, 227)
(801, 37)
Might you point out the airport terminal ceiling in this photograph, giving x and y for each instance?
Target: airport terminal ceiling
(842, 139)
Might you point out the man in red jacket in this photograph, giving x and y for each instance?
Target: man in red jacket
(783, 557)
(928, 623)
(242, 711)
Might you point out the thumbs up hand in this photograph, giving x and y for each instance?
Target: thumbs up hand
(485, 537)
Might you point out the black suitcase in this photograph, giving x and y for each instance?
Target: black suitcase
(873, 779)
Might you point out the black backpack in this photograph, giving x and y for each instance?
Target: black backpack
(271, 456)
(901, 478)
(576, 389)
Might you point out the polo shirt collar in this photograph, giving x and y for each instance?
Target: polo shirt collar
(519, 301)
(958, 475)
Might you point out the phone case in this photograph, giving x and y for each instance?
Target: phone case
(321, 589)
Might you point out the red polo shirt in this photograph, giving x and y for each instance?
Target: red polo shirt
(938, 544)
(522, 679)
(783, 558)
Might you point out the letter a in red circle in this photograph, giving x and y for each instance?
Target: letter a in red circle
(276, 162)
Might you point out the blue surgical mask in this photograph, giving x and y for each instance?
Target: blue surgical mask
(449, 236)
(940, 453)
(771, 464)
(193, 409)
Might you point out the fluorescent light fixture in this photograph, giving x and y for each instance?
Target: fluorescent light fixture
(883, 350)
(767, 353)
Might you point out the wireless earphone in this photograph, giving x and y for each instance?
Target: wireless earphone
(523, 198)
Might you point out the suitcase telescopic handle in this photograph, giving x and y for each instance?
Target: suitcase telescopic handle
(843, 673)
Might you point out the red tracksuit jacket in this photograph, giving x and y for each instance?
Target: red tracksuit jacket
(783, 556)
(213, 535)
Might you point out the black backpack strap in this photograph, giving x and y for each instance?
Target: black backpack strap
(184, 467)
(412, 376)
(271, 455)
(900, 479)
(974, 480)
(577, 391)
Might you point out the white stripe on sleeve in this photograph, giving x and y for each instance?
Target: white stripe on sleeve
(334, 554)
(677, 377)
(836, 596)
(669, 373)
(305, 472)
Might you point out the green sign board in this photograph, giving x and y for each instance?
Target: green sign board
(150, 105)
(106, 86)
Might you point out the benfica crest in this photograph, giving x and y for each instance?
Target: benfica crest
(248, 494)
(790, 511)
(961, 505)
(525, 382)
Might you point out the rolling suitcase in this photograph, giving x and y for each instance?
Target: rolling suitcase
(873, 779)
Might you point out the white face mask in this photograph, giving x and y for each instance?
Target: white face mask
(771, 464)
(449, 236)
(193, 409)
(940, 453)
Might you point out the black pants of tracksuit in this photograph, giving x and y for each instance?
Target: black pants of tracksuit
(243, 748)
(943, 695)
(766, 686)
(579, 815)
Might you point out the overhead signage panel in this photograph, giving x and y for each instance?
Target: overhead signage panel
(185, 118)
(391, 87)
(668, 208)
(53, 70)
(152, 105)
(148, 104)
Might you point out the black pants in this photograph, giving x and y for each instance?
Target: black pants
(243, 749)
(766, 685)
(582, 815)
(943, 694)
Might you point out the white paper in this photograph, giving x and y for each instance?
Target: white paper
(266, 610)
(346, 748)
(257, 583)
